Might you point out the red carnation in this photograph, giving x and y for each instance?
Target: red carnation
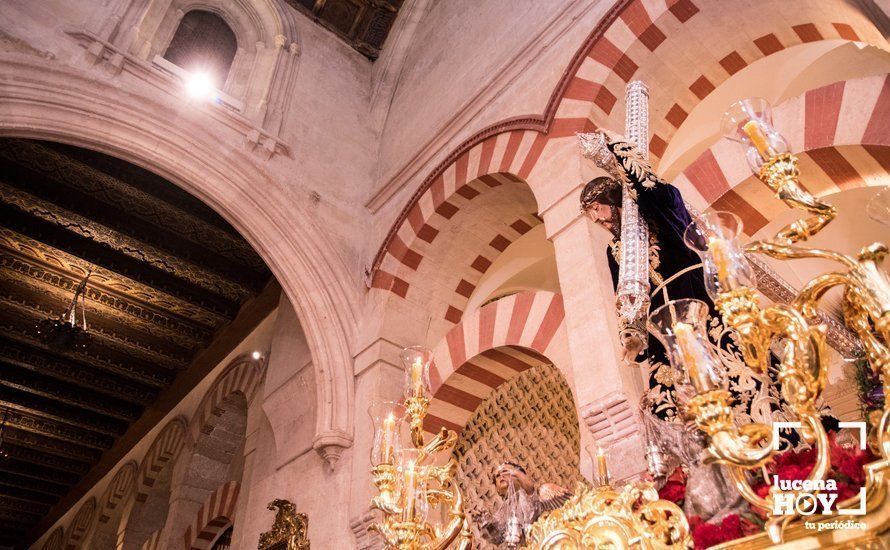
(706, 535)
(673, 491)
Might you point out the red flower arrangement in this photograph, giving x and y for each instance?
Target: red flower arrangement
(733, 526)
(846, 469)
(674, 488)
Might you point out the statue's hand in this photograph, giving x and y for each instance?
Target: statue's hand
(632, 345)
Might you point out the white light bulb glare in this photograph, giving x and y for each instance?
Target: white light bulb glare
(200, 86)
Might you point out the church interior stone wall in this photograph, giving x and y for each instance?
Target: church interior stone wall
(423, 191)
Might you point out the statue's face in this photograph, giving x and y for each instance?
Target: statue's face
(601, 214)
(504, 475)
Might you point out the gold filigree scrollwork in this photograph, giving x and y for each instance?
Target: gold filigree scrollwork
(290, 531)
(605, 517)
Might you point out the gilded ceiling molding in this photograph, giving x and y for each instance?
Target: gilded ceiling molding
(126, 198)
(56, 289)
(48, 441)
(134, 125)
(47, 387)
(121, 243)
(21, 420)
(51, 462)
(15, 305)
(20, 246)
(131, 369)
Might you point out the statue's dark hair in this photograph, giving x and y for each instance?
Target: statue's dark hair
(602, 190)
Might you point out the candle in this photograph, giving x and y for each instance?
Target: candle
(695, 357)
(602, 469)
(410, 489)
(758, 139)
(720, 251)
(417, 378)
(386, 451)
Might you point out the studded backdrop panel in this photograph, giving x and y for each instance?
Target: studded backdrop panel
(529, 419)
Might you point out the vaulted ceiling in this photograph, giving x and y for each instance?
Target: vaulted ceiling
(173, 287)
(364, 24)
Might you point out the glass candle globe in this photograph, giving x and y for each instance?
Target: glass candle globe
(714, 237)
(417, 361)
(598, 451)
(878, 207)
(682, 327)
(750, 122)
(412, 484)
(386, 419)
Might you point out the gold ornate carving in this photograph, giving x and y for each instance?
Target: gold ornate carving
(290, 530)
(797, 328)
(605, 517)
(122, 243)
(128, 199)
(18, 246)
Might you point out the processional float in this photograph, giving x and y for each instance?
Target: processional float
(411, 484)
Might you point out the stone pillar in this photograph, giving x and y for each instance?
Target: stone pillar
(379, 377)
(608, 391)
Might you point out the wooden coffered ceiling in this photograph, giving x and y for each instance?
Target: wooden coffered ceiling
(364, 24)
(173, 289)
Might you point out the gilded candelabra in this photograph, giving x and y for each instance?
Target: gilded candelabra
(603, 516)
(421, 503)
(794, 327)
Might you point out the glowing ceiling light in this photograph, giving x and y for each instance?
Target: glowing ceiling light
(256, 355)
(200, 86)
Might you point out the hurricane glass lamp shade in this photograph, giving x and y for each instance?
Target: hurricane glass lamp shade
(387, 421)
(715, 238)
(598, 451)
(750, 123)
(417, 361)
(682, 327)
(878, 207)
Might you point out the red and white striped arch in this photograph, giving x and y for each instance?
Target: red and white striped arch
(491, 346)
(675, 104)
(55, 540)
(160, 455)
(117, 492)
(502, 159)
(242, 375)
(214, 517)
(840, 132)
(647, 39)
(80, 525)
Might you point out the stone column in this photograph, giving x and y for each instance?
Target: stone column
(608, 391)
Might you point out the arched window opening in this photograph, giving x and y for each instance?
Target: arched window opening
(224, 542)
(203, 43)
